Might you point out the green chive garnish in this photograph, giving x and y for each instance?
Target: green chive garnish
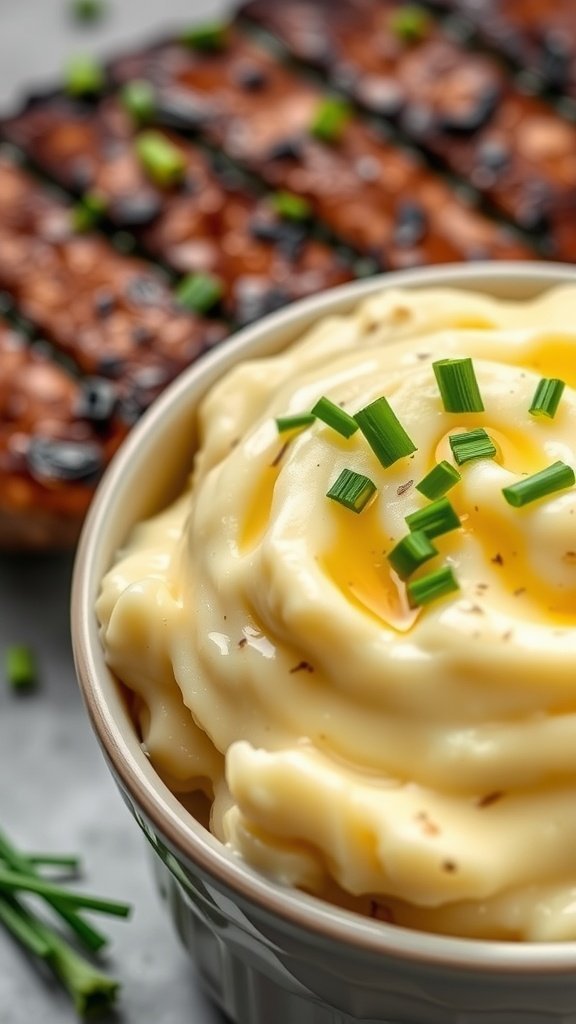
(296, 422)
(556, 477)
(55, 860)
(89, 988)
(199, 292)
(88, 211)
(384, 432)
(88, 10)
(210, 36)
(84, 76)
(547, 397)
(410, 23)
(472, 444)
(21, 671)
(330, 119)
(85, 932)
(411, 552)
(435, 519)
(13, 881)
(353, 490)
(432, 586)
(438, 481)
(163, 162)
(138, 97)
(458, 385)
(335, 417)
(290, 206)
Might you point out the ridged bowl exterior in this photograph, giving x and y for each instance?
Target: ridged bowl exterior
(269, 955)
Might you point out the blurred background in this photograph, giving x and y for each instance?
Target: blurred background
(55, 790)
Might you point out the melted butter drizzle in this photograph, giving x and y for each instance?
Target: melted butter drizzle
(356, 563)
(258, 508)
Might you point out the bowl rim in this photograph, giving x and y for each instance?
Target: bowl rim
(317, 918)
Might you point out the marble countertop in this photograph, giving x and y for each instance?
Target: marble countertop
(55, 790)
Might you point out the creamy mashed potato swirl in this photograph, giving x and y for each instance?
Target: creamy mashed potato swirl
(418, 765)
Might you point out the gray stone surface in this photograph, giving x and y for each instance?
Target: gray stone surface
(55, 790)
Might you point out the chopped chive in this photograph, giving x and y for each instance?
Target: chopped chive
(472, 444)
(556, 477)
(429, 588)
(21, 670)
(353, 490)
(290, 206)
(435, 519)
(335, 417)
(384, 432)
(296, 422)
(84, 76)
(209, 36)
(438, 481)
(199, 292)
(163, 162)
(14, 881)
(410, 23)
(88, 211)
(411, 552)
(330, 119)
(138, 98)
(88, 10)
(547, 397)
(458, 385)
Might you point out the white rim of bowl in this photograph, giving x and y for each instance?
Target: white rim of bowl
(182, 833)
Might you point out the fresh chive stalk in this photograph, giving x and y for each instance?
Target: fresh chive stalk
(162, 161)
(410, 23)
(290, 206)
(330, 119)
(19, 862)
(298, 421)
(547, 397)
(472, 444)
(458, 386)
(335, 417)
(56, 860)
(14, 882)
(431, 587)
(88, 211)
(17, 923)
(90, 989)
(199, 292)
(438, 481)
(208, 37)
(435, 519)
(21, 669)
(353, 490)
(384, 432)
(138, 98)
(556, 477)
(411, 552)
(84, 77)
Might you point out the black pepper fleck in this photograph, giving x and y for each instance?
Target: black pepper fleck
(302, 666)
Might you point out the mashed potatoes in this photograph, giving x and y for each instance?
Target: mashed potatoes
(413, 763)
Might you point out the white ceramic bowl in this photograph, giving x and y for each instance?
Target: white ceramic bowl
(266, 953)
